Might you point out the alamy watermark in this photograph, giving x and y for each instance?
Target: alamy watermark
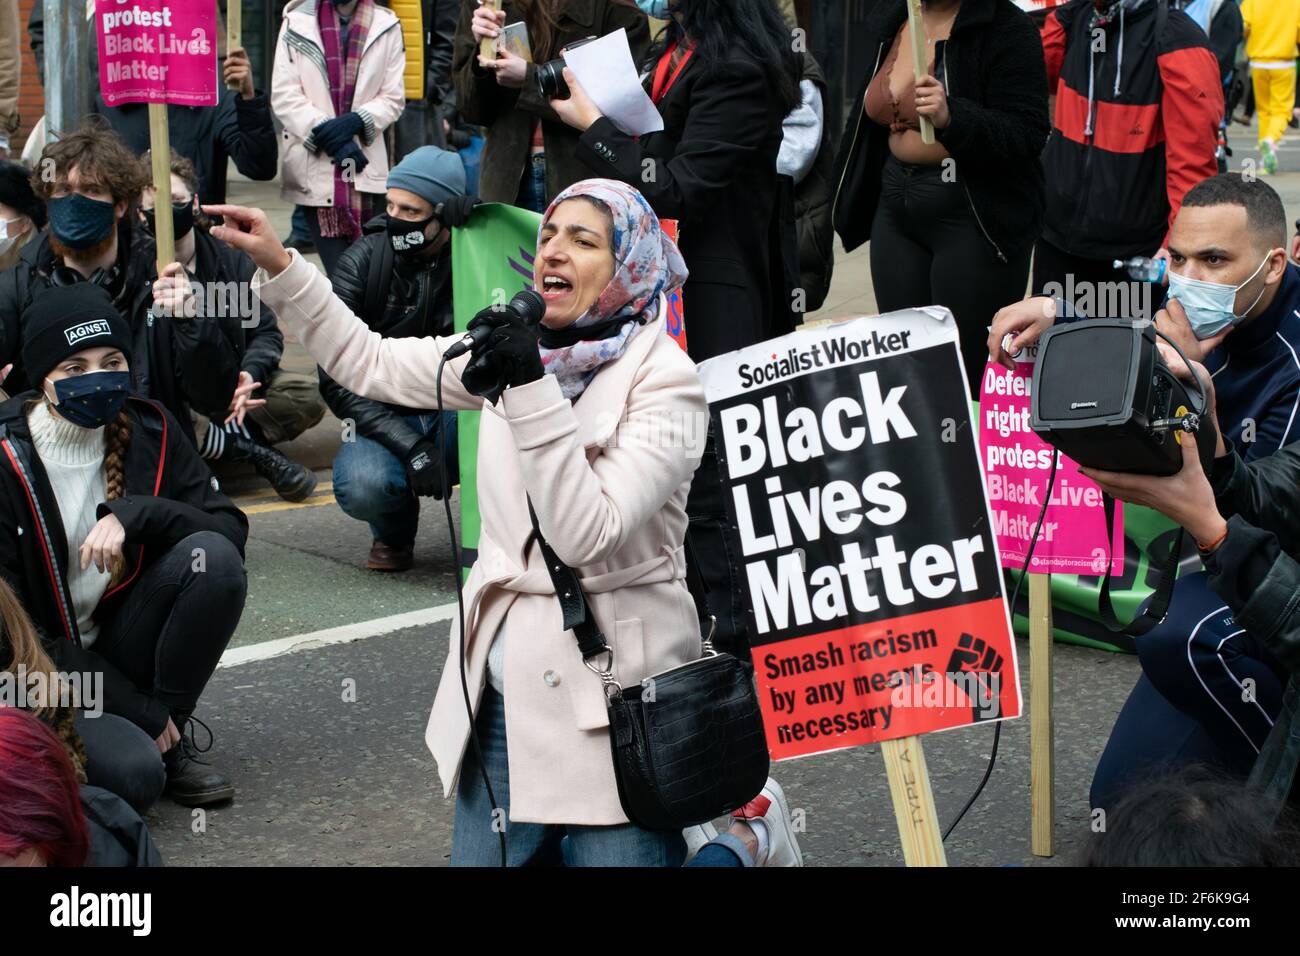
(28, 690)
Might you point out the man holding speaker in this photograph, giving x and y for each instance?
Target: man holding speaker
(1233, 301)
(1247, 529)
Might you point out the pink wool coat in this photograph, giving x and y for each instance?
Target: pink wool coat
(608, 476)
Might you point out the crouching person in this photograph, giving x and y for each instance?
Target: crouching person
(397, 279)
(243, 403)
(120, 545)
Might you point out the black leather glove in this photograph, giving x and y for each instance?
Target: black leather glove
(456, 210)
(509, 357)
(333, 134)
(423, 473)
(351, 151)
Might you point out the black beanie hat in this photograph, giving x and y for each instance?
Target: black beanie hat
(16, 191)
(66, 319)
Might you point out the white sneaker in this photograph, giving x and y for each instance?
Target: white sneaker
(696, 837)
(771, 809)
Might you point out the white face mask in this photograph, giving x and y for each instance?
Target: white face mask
(8, 235)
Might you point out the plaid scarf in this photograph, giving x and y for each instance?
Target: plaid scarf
(344, 217)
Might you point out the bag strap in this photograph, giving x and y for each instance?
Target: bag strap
(578, 616)
(695, 582)
(378, 279)
(1155, 611)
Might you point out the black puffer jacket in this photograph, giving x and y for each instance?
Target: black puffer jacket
(170, 494)
(993, 70)
(412, 299)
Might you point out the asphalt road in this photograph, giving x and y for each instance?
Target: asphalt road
(328, 781)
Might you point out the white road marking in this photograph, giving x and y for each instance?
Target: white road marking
(337, 635)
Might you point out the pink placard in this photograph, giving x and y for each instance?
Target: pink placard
(1016, 465)
(157, 51)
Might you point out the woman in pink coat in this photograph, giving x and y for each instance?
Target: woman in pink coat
(335, 87)
(601, 423)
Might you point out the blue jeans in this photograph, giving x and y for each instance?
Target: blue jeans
(532, 190)
(475, 839)
(370, 482)
(298, 224)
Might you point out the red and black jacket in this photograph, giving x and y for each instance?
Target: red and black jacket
(170, 494)
(1138, 107)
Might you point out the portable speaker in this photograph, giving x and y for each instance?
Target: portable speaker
(1102, 394)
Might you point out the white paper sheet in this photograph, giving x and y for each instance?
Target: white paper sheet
(606, 71)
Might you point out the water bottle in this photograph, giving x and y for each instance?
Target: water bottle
(1143, 269)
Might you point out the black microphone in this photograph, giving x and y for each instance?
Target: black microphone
(528, 305)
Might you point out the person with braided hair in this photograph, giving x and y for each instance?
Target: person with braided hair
(120, 545)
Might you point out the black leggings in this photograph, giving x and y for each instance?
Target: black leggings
(175, 621)
(928, 249)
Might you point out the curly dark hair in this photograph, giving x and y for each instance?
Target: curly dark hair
(102, 160)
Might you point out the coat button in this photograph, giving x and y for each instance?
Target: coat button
(552, 679)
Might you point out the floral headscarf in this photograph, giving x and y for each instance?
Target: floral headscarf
(647, 263)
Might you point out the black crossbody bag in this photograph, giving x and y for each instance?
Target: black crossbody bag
(688, 742)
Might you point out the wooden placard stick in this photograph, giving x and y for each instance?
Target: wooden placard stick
(1042, 780)
(487, 47)
(916, 26)
(234, 30)
(909, 786)
(160, 153)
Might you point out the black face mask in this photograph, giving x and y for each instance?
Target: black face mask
(182, 220)
(407, 237)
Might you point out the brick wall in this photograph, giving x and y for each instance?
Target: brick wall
(31, 99)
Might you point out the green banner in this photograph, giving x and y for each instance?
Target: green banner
(493, 256)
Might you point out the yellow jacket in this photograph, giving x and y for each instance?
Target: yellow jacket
(1272, 28)
(411, 16)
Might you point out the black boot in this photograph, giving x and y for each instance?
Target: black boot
(191, 780)
(291, 481)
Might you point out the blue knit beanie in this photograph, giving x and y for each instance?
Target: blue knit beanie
(431, 173)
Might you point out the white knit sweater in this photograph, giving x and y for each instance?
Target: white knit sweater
(73, 458)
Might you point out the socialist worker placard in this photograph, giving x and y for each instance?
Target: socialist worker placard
(851, 470)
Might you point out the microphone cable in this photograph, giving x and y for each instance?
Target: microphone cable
(1024, 572)
(460, 608)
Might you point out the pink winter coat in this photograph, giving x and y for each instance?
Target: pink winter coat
(608, 476)
(300, 99)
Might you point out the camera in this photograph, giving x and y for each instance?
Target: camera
(1102, 394)
(550, 75)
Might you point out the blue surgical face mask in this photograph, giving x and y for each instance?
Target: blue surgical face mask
(93, 399)
(78, 221)
(654, 8)
(1211, 306)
